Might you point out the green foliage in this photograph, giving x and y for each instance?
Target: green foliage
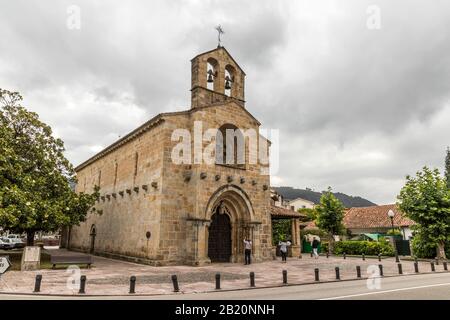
(447, 168)
(35, 194)
(281, 230)
(426, 200)
(395, 232)
(422, 247)
(330, 213)
(366, 247)
(311, 213)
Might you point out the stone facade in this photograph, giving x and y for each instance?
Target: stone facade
(160, 212)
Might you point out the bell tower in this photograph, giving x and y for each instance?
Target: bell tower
(216, 77)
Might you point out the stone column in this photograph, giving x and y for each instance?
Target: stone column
(199, 250)
(295, 230)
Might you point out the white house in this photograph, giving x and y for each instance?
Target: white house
(300, 203)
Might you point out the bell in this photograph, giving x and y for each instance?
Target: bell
(227, 84)
(210, 76)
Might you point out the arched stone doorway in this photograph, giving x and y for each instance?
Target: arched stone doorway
(219, 238)
(231, 219)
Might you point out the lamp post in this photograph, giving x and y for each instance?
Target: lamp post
(391, 215)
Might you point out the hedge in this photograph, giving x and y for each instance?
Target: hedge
(370, 248)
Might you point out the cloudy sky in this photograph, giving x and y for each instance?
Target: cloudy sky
(358, 107)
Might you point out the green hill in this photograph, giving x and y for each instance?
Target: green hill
(290, 193)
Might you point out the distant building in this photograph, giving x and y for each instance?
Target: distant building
(300, 203)
(375, 219)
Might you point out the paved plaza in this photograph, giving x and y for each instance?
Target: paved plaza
(111, 277)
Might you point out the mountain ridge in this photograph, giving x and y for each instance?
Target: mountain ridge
(290, 193)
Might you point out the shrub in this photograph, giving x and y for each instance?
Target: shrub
(366, 247)
(422, 249)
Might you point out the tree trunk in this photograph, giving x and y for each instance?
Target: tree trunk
(30, 237)
(441, 250)
(331, 244)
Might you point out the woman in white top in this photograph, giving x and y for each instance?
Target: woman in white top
(283, 249)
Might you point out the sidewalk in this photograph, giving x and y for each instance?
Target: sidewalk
(111, 277)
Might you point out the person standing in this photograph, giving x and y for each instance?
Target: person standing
(283, 249)
(247, 250)
(315, 247)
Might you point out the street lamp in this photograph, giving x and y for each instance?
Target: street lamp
(391, 215)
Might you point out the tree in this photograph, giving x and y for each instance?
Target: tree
(281, 229)
(311, 213)
(35, 194)
(426, 200)
(330, 213)
(447, 168)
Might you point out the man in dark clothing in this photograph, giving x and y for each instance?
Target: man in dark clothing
(247, 250)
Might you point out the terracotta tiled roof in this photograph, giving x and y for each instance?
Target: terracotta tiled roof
(375, 217)
(310, 225)
(279, 212)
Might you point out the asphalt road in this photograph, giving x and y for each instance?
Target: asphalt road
(422, 286)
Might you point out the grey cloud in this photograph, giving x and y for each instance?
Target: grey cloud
(336, 90)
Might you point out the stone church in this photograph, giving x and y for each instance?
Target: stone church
(157, 211)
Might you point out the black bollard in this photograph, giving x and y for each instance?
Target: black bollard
(400, 268)
(176, 288)
(37, 284)
(364, 257)
(358, 271)
(415, 259)
(316, 274)
(132, 284)
(217, 281)
(379, 257)
(328, 254)
(344, 255)
(252, 279)
(284, 276)
(445, 265)
(82, 284)
(381, 269)
(416, 267)
(437, 260)
(311, 254)
(338, 276)
(432, 266)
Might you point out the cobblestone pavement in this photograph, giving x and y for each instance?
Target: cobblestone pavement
(111, 277)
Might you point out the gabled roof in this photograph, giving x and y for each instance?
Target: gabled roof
(220, 48)
(310, 225)
(150, 124)
(375, 217)
(280, 212)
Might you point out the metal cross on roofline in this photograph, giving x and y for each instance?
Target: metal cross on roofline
(220, 32)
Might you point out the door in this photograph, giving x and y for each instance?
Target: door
(219, 239)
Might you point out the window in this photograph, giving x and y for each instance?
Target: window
(230, 146)
(115, 174)
(136, 159)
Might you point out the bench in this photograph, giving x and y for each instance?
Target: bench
(70, 259)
